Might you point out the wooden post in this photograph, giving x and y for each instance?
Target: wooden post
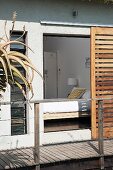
(100, 133)
(36, 137)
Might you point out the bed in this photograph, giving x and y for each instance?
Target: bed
(70, 109)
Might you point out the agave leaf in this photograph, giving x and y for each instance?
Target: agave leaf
(24, 57)
(24, 92)
(19, 61)
(1, 64)
(20, 55)
(23, 65)
(7, 59)
(2, 78)
(17, 73)
(7, 65)
(32, 93)
(2, 89)
(5, 68)
(21, 88)
(2, 39)
(3, 83)
(26, 61)
(15, 42)
(2, 86)
(32, 74)
(21, 35)
(5, 30)
(33, 68)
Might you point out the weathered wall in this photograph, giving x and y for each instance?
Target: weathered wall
(57, 10)
(35, 41)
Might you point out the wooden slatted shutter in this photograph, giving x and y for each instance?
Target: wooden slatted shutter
(102, 77)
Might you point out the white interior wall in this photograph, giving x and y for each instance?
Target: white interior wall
(72, 53)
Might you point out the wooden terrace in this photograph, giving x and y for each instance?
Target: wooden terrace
(78, 155)
(83, 155)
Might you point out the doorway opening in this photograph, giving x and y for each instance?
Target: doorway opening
(66, 69)
(66, 65)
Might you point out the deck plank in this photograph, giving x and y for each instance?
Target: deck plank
(18, 158)
(53, 153)
(55, 150)
(70, 151)
(25, 156)
(8, 160)
(66, 152)
(13, 159)
(57, 157)
(83, 151)
(2, 163)
(48, 155)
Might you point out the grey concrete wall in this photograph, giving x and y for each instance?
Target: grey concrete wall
(57, 10)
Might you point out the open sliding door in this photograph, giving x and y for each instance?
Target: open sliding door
(102, 77)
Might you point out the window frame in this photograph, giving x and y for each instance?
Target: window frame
(24, 51)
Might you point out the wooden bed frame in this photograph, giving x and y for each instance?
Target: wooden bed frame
(64, 115)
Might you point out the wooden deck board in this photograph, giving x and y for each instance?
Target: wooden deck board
(2, 163)
(84, 151)
(25, 156)
(7, 160)
(53, 153)
(48, 155)
(12, 160)
(70, 152)
(56, 151)
(17, 159)
(66, 152)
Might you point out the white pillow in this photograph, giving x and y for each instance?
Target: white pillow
(76, 93)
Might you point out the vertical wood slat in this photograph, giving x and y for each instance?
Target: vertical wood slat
(36, 137)
(100, 133)
(101, 76)
(93, 103)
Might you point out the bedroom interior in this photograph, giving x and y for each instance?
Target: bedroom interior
(67, 75)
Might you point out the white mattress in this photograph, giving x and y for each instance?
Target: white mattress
(67, 106)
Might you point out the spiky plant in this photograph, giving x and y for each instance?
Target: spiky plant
(9, 73)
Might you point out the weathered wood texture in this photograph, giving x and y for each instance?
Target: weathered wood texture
(102, 77)
(36, 137)
(53, 154)
(64, 115)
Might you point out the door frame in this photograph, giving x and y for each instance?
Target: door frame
(56, 30)
(45, 89)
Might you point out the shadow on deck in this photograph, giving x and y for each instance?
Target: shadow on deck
(79, 155)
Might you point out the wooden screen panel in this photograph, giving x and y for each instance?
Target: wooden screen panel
(102, 78)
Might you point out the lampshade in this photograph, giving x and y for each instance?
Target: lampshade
(72, 81)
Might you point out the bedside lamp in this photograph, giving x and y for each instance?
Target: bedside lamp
(72, 82)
